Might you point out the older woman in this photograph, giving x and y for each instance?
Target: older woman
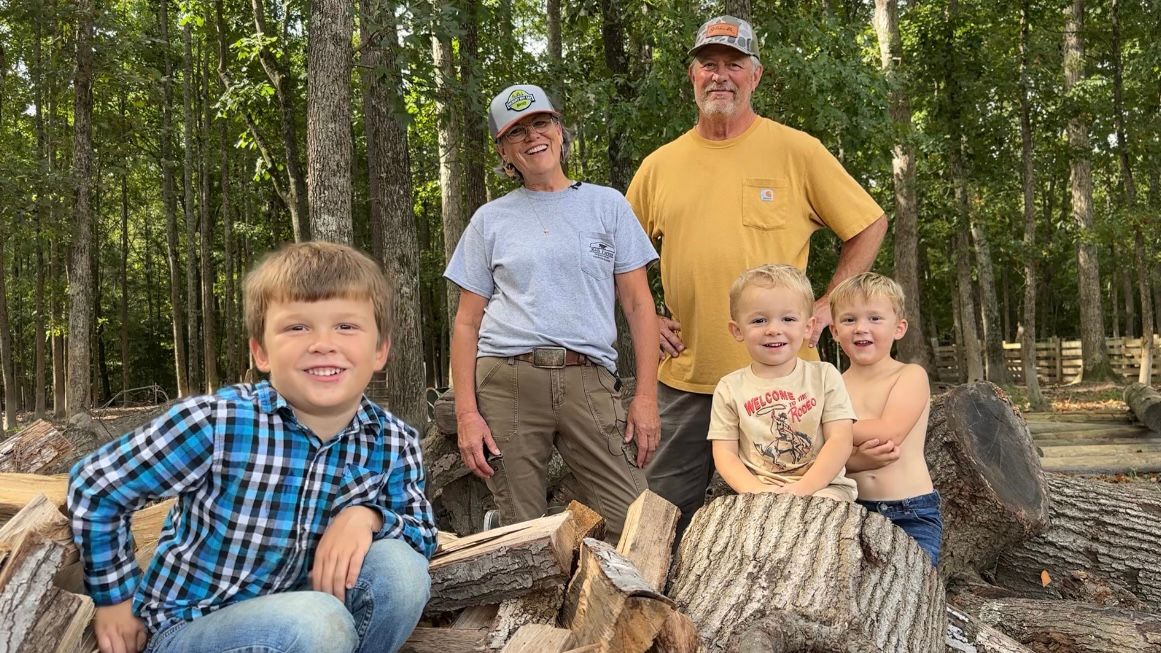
(532, 355)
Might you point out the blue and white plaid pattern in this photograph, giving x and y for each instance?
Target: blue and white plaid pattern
(255, 492)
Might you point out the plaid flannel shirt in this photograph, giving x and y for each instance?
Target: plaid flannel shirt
(255, 492)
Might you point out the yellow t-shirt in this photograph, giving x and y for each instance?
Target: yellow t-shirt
(778, 422)
(718, 208)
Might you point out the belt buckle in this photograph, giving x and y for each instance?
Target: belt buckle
(549, 357)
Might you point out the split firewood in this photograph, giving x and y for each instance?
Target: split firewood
(540, 608)
(677, 635)
(36, 616)
(986, 469)
(965, 634)
(1145, 402)
(647, 539)
(1108, 531)
(538, 638)
(1047, 625)
(16, 490)
(34, 448)
(586, 522)
(477, 617)
(502, 563)
(777, 572)
(610, 605)
(444, 640)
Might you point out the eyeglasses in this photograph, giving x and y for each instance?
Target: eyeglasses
(520, 133)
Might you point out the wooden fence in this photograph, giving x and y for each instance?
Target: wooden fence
(1057, 361)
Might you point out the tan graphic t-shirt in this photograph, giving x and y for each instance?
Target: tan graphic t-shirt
(778, 422)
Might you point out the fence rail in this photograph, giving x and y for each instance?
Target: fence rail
(1057, 361)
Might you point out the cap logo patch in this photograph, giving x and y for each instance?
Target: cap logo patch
(721, 29)
(519, 100)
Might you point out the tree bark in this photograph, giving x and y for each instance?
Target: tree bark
(451, 169)
(1145, 402)
(1096, 366)
(1073, 627)
(816, 570)
(555, 54)
(208, 276)
(738, 8)
(192, 293)
(79, 399)
(972, 356)
(44, 156)
(328, 123)
(986, 469)
(913, 347)
(473, 107)
(58, 340)
(181, 365)
(996, 368)
(124, 304)
(8, 375)
(1030, 254)
(392, 216)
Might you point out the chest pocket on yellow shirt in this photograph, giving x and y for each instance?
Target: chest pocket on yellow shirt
(766, 203)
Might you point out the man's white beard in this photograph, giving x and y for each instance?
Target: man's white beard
(718, 107)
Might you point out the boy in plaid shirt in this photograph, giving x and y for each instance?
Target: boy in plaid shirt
(301, 523)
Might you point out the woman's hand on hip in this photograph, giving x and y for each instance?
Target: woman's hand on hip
(473, 435)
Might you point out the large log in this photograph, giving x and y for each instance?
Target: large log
(502, 563)
(965, 634)
(984, 464)
(16, 490)
(1108, 531)
(34, 449)
(1145, 402)
(778, 572)
(610, 605)
(1071, 627)
(36, 616)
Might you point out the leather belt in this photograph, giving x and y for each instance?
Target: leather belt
(553, 357)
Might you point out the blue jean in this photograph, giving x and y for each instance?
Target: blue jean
(380, 613)
(918, 517)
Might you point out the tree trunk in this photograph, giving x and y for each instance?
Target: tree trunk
(473, 107)
(996, 369)
(6, 354)
(973, 357)
(44, 156)
(169, 199)
(555, 54)
(1106, 530)
(1145, 402)
(914, 347)
(124, 312)
(58, 341)
(451, 169)
(79, 398)
(817, 571)
(738, 8)
(192, 294)
(392, 216)
(986, 469)
(1030, 254)
(328, 122)
(1096, 366)
(1073, 627)
(206, 236)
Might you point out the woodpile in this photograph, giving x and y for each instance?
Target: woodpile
(34, 449)
(1031, 562)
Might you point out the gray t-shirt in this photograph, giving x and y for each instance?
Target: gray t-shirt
(545, 261)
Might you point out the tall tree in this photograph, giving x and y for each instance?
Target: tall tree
(328, 121)
(1094, 351)
(79, 398)
(473, 119)
(192, 295)
(1130, 188)
(8, 377)
(1031, 254)
(206, 273)
(914, 347)
(44, 166)
(996, 369)
(450, 133)
(555, 54)
(392, 216)
(169, 200)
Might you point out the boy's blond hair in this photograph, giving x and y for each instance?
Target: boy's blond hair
(774, 275)
(311, 272)
(867, 285)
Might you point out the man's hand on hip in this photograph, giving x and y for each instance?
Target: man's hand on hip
(822, 319)
(671, 344)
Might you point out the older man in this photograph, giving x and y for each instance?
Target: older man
(736, 191)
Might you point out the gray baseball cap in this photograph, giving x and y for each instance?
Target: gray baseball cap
(728, 31)
(513, 104)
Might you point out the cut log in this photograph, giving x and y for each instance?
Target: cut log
(460, 505)
(538, 638)
(776, 572)
(445, 413)
(677, 635)
(1108, 531)
(1145, 402)
(444, 640)
(1073, 627)
(16, 490)
(609, 604)
(647, 539)
(34, 449)
(35, 615)
(965, 634)
(985, 467)
(477, 617)
(502, 563)
(539, 608)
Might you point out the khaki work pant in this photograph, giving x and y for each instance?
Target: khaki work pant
(577, 408)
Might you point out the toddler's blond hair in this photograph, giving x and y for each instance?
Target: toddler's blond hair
(867, 285)
(774, 275)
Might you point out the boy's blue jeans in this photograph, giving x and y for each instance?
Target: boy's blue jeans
(381, 611)
(918, 517)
